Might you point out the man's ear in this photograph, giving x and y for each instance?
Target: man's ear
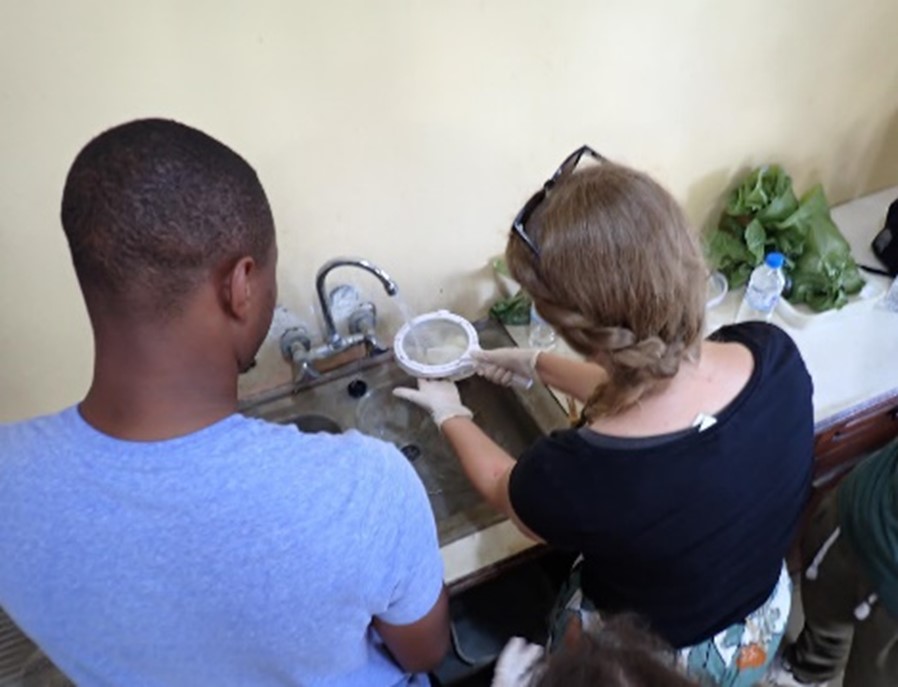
(236, 287)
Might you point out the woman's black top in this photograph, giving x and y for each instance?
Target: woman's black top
(687, 529)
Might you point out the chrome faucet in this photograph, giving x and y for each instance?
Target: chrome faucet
(296, 348)
(332, 338)
(309, 360)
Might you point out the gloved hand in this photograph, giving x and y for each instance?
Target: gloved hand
(502, 365)
(516, 662)
(438, 397)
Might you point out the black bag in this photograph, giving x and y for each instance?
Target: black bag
(885, 245)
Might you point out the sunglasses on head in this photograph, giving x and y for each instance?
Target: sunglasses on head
(519, 226)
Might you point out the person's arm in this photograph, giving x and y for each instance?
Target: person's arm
(576, 378)
(404, 566)
(420, 646)
(486, 464)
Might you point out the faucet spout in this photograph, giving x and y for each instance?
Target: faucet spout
(332, 337)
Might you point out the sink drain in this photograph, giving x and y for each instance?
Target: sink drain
(411, 451)
(357, 388)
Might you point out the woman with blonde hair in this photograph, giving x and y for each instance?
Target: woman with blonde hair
(683, 485)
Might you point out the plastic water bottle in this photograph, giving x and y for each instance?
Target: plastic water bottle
(763, 291)
(541, 333)
(890, 302)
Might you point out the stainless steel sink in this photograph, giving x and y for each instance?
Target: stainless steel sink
(360, 397)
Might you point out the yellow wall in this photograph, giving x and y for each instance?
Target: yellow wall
(410, 132)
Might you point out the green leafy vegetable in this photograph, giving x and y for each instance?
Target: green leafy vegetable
(501, 267)
(755, 239)
(825, 274)
(763, 215)
(514, 310)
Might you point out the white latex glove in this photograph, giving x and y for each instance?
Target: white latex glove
(438, 397)
(515, 665)
(502, 365)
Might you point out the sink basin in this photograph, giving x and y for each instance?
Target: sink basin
(360, 397)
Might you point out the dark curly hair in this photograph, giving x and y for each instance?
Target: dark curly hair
(622, 653)
(152, 206)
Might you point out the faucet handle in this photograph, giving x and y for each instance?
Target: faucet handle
(296, 347)
(295, 342)
(363, 320)
(343, 300)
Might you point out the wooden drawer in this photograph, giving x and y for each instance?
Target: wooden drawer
(839, 447)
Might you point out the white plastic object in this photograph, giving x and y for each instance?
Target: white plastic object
(890, 302)
(717, 289)
(801, 316)
(438, 345)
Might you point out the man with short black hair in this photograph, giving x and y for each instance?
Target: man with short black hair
(154, 536)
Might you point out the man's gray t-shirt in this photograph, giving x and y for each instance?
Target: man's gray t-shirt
(244, 554)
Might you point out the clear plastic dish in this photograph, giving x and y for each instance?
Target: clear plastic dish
(717, 289)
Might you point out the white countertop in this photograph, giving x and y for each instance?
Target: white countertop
(851, 355)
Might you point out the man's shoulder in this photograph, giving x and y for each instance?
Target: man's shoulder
(235, 444)
(21, 433)
(337, 464)
(363, 453)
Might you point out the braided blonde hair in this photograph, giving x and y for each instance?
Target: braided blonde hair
(619, 275)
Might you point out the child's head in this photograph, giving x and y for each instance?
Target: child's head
(619, 654)
(614, 267)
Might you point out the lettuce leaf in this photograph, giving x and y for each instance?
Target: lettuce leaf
(762, 215)
(826, 274)
(513, 310)
(766, 193)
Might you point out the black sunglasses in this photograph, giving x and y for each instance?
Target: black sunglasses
(565, 168)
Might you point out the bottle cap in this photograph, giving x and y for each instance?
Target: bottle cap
(774, 260)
